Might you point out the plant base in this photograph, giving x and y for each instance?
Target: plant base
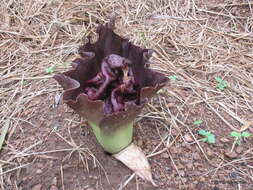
(115, 141)
(134, 158)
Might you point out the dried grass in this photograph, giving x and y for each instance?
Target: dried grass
(194, 40)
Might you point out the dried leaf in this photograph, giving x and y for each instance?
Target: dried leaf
(134, 158)
(4, 132)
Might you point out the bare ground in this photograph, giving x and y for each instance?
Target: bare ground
(49, 147)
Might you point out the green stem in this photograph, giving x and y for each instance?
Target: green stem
(114, 141)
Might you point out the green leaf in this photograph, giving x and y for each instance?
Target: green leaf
(204, 139)
(235, 134)
(246, 134)
(211, 138)
(218, 79)
(50, 69)
(238, 140)
(222, 84)
(203, 132)
(173, 77)
(197, 122)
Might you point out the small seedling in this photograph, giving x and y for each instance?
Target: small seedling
(208, 136)
(197, 122)
(234, 27)
(50, 69)
(161, 91)
(142, 37)
(238, 136)
(222, 84)
(24, 82)
(173, 77)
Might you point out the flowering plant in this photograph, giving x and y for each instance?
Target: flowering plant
(108, 86)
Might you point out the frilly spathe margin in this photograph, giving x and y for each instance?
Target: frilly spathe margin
(88, 65)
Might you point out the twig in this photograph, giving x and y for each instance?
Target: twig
(221, 14)
(62, 178)
(230, 5)
(211, 107)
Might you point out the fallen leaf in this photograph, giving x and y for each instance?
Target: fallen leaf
(247, 124)
(188, 138)
(224, 140)
(4, 133)
(239, 150)
(197, 122)
(230, 154)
